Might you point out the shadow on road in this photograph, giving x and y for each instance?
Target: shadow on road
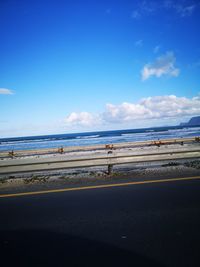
(43, 248)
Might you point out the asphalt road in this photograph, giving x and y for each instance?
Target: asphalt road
(155, 224)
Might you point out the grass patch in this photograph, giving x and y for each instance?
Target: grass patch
(34, 179)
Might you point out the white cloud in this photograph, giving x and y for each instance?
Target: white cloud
(151, 110)
(164, 65)
(139, 43)
(125, 112)
(157, 107)
(4, 91)
(84, 119)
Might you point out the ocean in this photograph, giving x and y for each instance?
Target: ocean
(96, 138)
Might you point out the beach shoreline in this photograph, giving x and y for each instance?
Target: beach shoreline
(137, 147)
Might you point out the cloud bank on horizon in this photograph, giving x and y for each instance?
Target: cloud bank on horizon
(154, 108)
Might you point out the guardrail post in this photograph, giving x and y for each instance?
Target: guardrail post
(110, 169)
(109, 146)
(197, 139)
(11, 154)
(110, 166)
(61, 150)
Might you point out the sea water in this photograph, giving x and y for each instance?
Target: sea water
(96, 138)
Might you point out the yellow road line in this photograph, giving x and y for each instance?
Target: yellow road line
(98, 186)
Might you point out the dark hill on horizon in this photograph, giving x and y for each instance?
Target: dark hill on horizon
(194, 121)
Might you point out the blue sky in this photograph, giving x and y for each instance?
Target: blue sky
(78, 65)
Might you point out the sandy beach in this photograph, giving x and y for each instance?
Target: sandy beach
(134, 148)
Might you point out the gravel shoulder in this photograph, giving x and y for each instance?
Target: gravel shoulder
(98, 176)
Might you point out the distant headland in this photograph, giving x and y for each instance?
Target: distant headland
(194, 121)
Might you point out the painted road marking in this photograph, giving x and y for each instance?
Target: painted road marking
(98, 186)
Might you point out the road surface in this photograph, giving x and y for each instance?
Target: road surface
(150, 224)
